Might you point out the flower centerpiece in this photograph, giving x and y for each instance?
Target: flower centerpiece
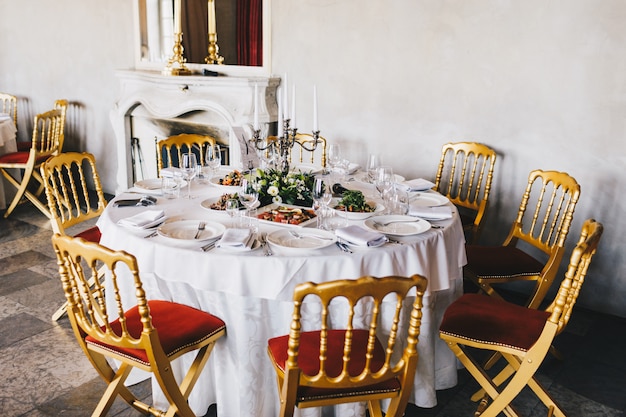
(291, 188)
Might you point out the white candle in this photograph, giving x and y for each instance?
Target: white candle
(285, 100)
(280, 117)
(315, 125)
(256, 107)
(177, 16)
(293, 107)
(211, 6)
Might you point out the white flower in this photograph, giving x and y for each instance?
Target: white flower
(278, 199)
(273, 191)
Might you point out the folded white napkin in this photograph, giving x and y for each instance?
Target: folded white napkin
(418, 184)
(238, 239)
(431, 213)
(361, 237)
(145, 219)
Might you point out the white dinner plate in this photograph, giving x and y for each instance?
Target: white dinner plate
(154, 184)
(274, 206)
(350, 215)
(185, 230)
(256, 244)
(399, 225)
(310, 240)
(427, 199)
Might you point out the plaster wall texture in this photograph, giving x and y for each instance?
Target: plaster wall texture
(541, 82)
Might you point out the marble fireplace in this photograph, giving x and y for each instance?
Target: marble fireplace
(152, 106)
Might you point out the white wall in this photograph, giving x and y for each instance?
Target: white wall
(542, 82)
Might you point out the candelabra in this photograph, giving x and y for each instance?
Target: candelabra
(283, 144)
(213, 56)
(176, 64)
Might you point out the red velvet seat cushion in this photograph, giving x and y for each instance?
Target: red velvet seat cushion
(92, 234)
(19, 158)
(309, 363)
(178, 325)
(500, 261)
(491, 320)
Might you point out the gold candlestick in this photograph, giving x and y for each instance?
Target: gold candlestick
(213, 50)
(176, 64)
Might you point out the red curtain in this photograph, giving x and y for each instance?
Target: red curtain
(250, 32)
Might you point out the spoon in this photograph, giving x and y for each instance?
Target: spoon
(201, 227)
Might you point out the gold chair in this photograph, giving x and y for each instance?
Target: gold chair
(464, 176)
(522, 335)
(58, 105)
(45, 143)
(9, 106)
(350, 364)
(540, 231)
(147, 336)
(174, 147)
(67, 179)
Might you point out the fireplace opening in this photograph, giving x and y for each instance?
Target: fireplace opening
(146, 130)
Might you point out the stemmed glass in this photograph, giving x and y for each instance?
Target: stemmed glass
(384, 182)
(334, 156)
(188, 167)
(373, 162)
(248, 195)
(321, 199)
(232, 207)
(213, 158)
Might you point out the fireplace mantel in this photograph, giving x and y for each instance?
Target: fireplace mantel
(169, 97)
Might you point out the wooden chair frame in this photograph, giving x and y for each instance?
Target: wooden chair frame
(464, 175)
(522, 363)
(67, 177)
(9, 106)
(544, 227)
(175, 146)
(45, 143)
(347, 387)
(102, 337)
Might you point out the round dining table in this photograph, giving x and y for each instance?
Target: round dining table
(252, 293)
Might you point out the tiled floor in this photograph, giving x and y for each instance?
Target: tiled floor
(44, 373)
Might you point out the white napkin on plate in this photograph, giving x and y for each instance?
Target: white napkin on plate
(431, 213)
(171, 172)
(143, 220)
(418, 184)
(359, 236)
(239, 239)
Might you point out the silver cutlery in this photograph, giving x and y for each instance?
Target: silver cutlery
(343, 247)
(299, 236)
(387, 223)
(209, 246)
(266, 249)
(201, 227)
(153, 234)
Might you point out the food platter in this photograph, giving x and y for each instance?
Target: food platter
(283, 215)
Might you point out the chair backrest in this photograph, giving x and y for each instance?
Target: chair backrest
(390, 320)
(562, 305)
(546, 210)
(316, 151)
(79, 261)
(170, 150)
(62, 105)
(73, 189)
(46, 133)
(8, 104)
(464, 175)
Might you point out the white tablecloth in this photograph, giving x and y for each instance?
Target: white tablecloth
(252, 293)
(7, 145)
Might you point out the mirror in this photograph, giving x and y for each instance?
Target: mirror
(245, 50)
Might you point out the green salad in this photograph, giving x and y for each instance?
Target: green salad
(354, 201)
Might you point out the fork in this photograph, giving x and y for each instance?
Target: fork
(201, 227)
(299, 236)
(379, 224)
(266, 248)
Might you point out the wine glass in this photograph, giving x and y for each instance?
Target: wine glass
(399, 201)
(384, 182)
(188, 167)
(248, 195)
(321, 199)
(334, 156)
(213, 158)
(373, 162)
(232, 207)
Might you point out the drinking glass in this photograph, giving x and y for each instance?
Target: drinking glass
(399, 201)
(188, 167)
(373, 162)
(322, 197)
(213, 158)
(334, 156)
(248, 195)
(384, 182)
(232, 208)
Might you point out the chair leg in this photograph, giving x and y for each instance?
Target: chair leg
(20, 187)
(60, 312)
